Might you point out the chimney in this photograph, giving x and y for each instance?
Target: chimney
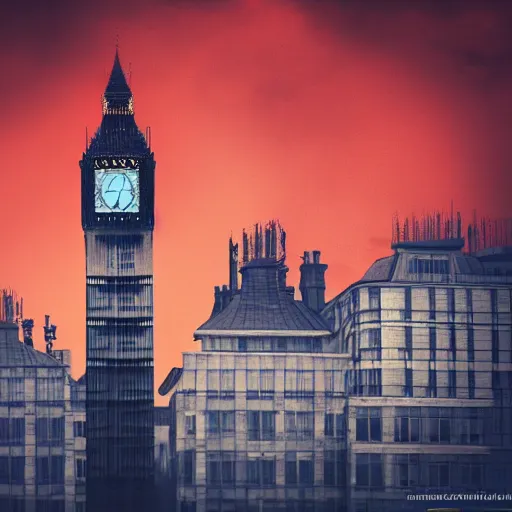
(312, 281)
(233, 266)
(27, 327)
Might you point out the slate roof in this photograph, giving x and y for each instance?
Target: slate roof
(263, 307)
(13, 353)
(118, 135)
(381, 270)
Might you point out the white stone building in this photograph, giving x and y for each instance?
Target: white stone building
(400, 384)
(42, 433)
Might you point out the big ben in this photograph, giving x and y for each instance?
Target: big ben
(118, 170)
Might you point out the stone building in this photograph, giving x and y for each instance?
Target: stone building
(42, 429)
(400, 384)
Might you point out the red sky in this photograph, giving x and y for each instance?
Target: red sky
(329, 116)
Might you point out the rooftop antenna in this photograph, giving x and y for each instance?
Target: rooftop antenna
(49, 334)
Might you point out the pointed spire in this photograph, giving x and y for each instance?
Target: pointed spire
(117, 94)
(117, 83)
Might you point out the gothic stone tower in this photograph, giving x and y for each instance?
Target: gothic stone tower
(118, 217)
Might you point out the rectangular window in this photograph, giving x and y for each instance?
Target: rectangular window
(42, 470)
(214, 468)
(80, 469)
(17, 431)
(408, 304)
(190, 424)
(126, 258)
(42, 433)
(300, 426)
(253, 425)
(213, 423)
(260, 384)
(364, 382)
(267, 384)
(407, 425)
(299, 383)
(406, 470)
(261, 425)
(439, 475)
(306, 472)
(213, 383)
(17, 470)
(227, 384)
(368, 424)
(57, 469)
(439, 426)
(333, 382)
(374, 298)
(369, 470)
(355, 299)
(261, 472)
(220, 423)
(188, 470)
(268, 425)
(290, 468)
(79, 428)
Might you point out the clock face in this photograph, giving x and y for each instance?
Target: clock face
(117, 191)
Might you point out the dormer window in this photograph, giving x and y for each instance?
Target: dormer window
(429, 266)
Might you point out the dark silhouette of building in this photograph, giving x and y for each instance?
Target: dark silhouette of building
(118, 218)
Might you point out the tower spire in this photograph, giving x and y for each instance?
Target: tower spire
(118, 96)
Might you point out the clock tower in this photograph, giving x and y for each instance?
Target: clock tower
(118, 172)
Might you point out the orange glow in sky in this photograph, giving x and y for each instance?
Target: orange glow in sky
(325, 119)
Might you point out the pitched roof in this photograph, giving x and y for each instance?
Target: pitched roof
(264, 308)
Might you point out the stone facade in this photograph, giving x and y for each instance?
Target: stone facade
(410, 391)
(42, 430)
